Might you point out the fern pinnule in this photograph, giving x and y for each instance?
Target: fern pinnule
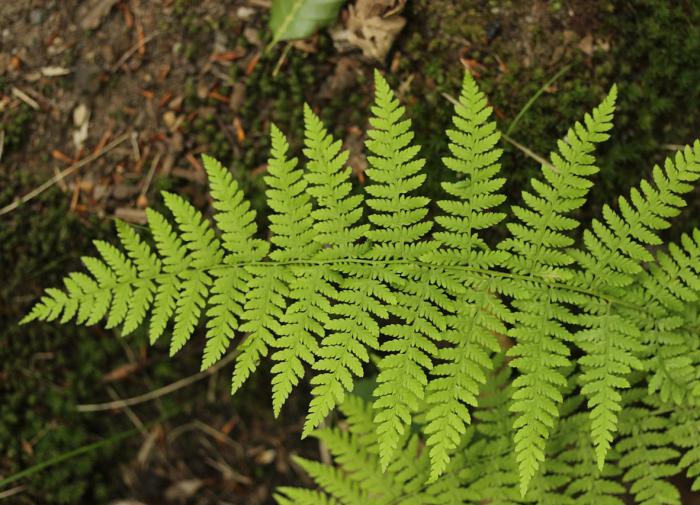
(173, 253)
(148, 267)
(287, 495)
(204, 252)
(236, 221)
(588, 484)
(684, 432)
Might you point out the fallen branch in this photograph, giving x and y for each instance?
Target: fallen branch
(63, 174)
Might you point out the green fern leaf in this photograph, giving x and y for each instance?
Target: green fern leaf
(236, 221)
(473, 328)
(398, 225)
(614, 256)
(204, 252)
(350, 326)
(537, 248)
(305, 316)
(647, 456)
(174, 254)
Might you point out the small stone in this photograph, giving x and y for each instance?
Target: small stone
(100, 191)
(176, 103)
(237, 96)
(252, 35)
(80, 115)
(169, 119)
(202, 90)
(245, 13)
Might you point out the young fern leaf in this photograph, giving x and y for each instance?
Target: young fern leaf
(538, 249)
(479, 314)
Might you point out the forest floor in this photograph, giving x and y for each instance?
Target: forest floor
(117, 99)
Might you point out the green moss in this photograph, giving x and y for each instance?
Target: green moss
(16, 123)
(46, 369)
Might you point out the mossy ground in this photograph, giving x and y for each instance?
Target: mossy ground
(650, 48)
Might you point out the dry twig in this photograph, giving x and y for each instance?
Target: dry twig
(130, 52)
(157, 393)
(63, 174)
(16, 92)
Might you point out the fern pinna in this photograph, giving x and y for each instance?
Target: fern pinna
(534, 370)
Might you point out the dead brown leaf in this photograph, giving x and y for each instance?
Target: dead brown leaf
(371, 26)
(130, 215)
(183, 490)
(586, 45)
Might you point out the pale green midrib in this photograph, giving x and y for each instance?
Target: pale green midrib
(286, 22)
(364, 261)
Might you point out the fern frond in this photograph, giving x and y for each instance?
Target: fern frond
(673, 349)
(286, 495)
(204, 252)
(490, 470)
(588, 485)
(306, 313)
(647, 456)
(538, 245)
(346, 277)
(684, 432)
(265, 303)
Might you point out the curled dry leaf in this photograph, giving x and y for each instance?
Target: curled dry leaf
(371, 26)
(81, 121)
